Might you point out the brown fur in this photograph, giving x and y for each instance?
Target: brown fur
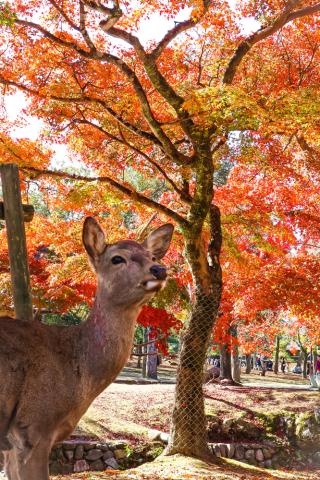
(50, 375)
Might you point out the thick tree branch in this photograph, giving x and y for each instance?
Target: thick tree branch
(84, 30)
(132, 194)
(99, 7)
(157, 79)
(155, 126)
(312, 153)
(286, 16)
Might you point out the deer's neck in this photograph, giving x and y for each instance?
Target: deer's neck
(108, 336)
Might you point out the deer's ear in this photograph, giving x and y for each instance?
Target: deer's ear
(93, 239)
(159, 240)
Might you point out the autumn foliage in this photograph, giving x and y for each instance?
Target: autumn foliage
(186, 109)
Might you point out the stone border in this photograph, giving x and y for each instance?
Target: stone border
(265, 456)
(75, 456)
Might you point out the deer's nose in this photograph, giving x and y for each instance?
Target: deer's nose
(159, 272)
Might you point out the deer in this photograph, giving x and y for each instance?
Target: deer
(51, 374)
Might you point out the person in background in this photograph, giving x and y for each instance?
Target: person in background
(258, 362)
(283, 365)
(318, 365)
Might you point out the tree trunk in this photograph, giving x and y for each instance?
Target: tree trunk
(152, 361)
(225, 364)
(305, 362)
(188, 430)
(248, 364)
(235, 363)
(144, 361)
(276, 356)
(254, 360)
(17, 246)
(139, 352)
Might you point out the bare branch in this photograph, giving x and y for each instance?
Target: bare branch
(265, 31)
(98, 6)
(64, 15)
(132, 194)
(186, 198)
(312, 153)
(177, 29)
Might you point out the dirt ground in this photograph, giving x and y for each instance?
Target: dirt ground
(127, 412)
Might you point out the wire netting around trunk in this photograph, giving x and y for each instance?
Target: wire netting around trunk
(188, 432)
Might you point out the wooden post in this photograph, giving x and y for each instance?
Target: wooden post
(17, 246)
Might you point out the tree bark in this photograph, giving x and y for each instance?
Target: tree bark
(139, 352)
(276, 357)
(152, 361)
(248, 364)
(144, 360)
(188, 431)
(225, 363)
(305, 362)
(17, 245)
(235, 363)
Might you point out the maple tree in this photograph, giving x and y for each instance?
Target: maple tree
(173, 109)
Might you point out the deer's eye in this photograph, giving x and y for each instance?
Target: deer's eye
(117, 259)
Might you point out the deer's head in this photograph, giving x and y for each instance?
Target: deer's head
(128, 272)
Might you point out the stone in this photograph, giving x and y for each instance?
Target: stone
(259, 455)
(226, 425)
(67, 468)
(108, 455)
(239, 452)
(317, 415)
(81, 466)
(79, 451)
(245, 429)
(94, 454)
(104, 448)
(98, 465)
(223, 450)
(154, 434)
(69, 445)
(120, 454)
(69, 455)
(306, 434)
(112, 462)
(217, 450)
(316, 458)
(164, 437)
(249, 454)
(89, 445)
(267, 453)
(289, 427)
(53, 455)
(56, 468)
(268, 464)
(59, 454)
(118, 444)
(230, 450)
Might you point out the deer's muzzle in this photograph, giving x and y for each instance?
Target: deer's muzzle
(159, 272)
